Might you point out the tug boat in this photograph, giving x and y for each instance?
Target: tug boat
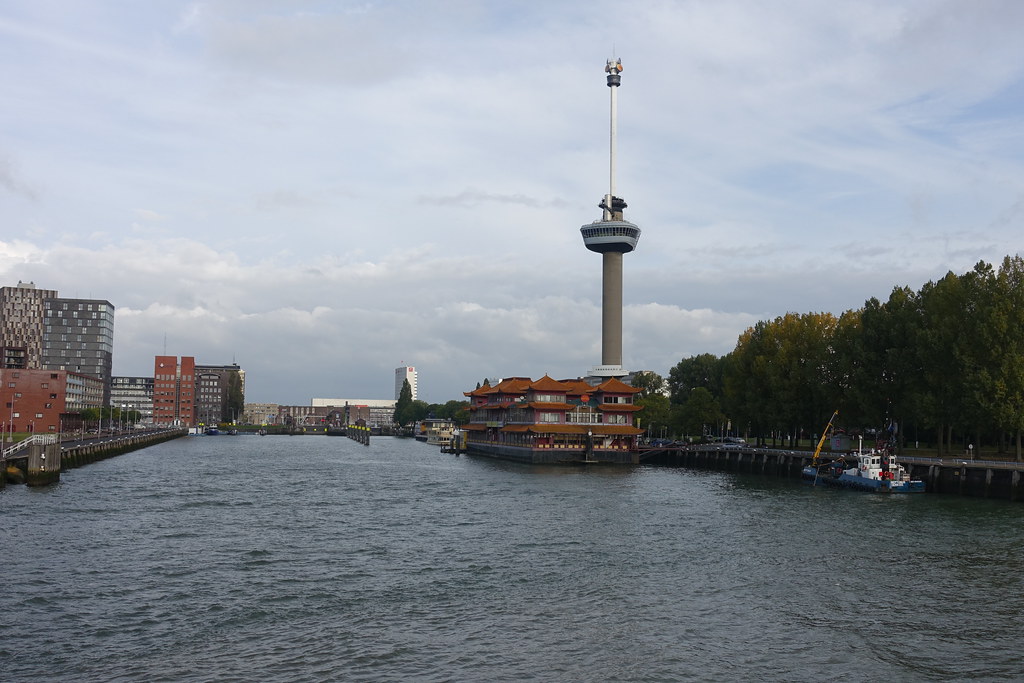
(876, 470)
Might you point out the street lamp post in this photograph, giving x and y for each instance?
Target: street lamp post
(13, 399)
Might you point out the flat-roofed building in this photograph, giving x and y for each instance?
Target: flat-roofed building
(260, 413)
(403, 374)
(220, 393)
(41, 400)
(78, 335)
(377, 412)
(133, 393)
(174, 391)
(21, 325)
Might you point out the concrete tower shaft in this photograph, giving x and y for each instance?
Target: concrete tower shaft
(611, 309)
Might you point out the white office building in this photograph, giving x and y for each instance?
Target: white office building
(402, 374)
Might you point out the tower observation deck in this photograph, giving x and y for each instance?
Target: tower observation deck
(611, 236)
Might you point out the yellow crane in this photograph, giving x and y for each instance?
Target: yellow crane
(821, 441)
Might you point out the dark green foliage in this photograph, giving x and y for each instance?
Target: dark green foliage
(234, 403)
(403, 414)
(945, 364)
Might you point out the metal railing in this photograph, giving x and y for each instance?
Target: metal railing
(42, 439)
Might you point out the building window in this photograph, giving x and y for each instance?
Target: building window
(549, 417)
(38, 415)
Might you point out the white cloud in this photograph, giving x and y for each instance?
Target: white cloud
(322, 192)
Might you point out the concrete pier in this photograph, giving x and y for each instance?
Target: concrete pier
(43, 464)
(40, 465)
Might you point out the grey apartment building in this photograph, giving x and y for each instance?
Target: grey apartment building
(78, 335)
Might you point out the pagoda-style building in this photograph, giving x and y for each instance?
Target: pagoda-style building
(554, 421)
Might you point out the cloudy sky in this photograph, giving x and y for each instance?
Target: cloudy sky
(323, 191)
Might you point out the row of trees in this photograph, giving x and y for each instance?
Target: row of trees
(944, 363)
(409, 411)
(109, 415)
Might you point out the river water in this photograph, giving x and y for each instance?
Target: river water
(318, 559)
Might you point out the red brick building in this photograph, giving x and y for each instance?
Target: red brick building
(174, 391)
(46, 400)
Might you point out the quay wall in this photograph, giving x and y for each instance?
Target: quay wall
(39, 465)
(982, 479)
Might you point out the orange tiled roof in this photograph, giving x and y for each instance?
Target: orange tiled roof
(546, 383)
(511, 385)
(614, 430)
(577, 387)
(618, 407)
(614, 385)
(478, 392)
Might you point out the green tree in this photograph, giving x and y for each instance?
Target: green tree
(90, 415)
(450, 409)
(704, 370)
(649, 383)
(801, 373)
(846, 366)
(943, 308)
(234, 401)
(747, 378)
(1001, 376)
(418, 410)
(655, 416)
(700, 413)
(883, 362)
(403, 404)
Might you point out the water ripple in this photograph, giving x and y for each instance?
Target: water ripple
(309, 559)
